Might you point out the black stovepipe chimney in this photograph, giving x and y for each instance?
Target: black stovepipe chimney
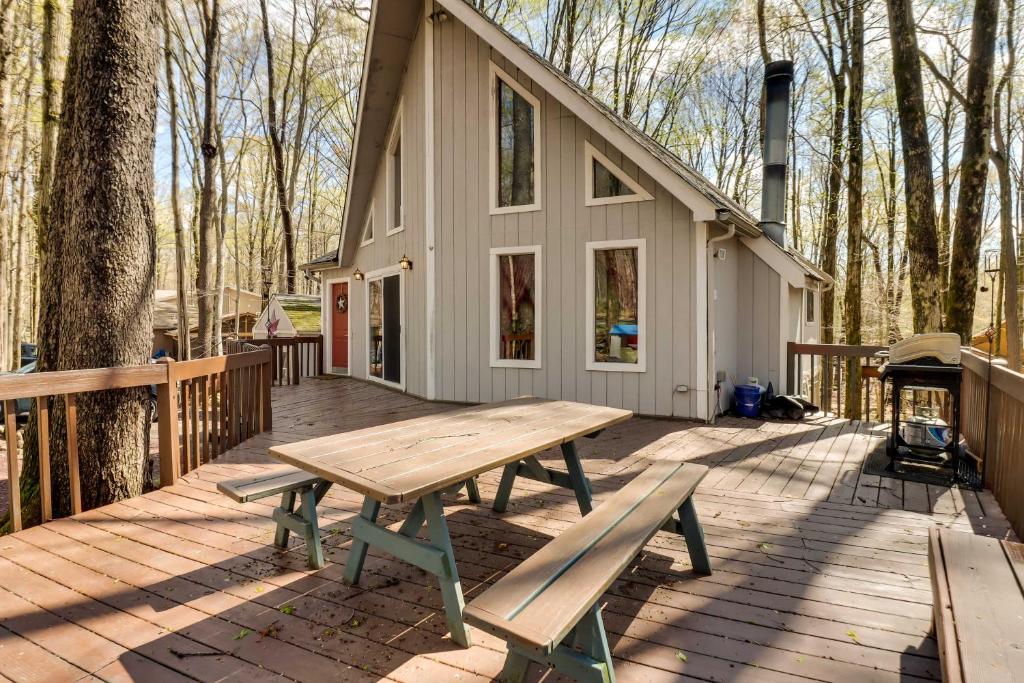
(778, 78)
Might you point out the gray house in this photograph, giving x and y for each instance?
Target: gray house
(507, 234)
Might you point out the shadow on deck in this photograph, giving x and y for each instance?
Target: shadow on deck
(820, 571)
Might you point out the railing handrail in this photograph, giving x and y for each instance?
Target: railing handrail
(250, 401)
(1003, 378)
(55, 383)
(842, 350)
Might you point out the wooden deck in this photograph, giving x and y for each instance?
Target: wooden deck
(821, 573)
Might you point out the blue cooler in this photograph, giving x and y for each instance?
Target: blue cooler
(747, 398)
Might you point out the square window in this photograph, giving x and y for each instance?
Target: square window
(615, 306)
(515, 307)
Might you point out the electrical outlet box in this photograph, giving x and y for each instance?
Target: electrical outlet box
(720, 376)
(721, 253)
(682, 388)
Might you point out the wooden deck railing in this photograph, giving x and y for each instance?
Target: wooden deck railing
(819, 372)
(204, 407)
(293, 357)
(1002, 459)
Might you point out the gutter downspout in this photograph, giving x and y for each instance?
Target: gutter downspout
(712, 295)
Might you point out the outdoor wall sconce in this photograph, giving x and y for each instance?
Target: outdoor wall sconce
(405, 263)
(358, 275)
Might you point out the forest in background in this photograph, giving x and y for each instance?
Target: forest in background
(251, 161)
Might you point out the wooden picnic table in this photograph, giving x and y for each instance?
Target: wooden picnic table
(418, 460)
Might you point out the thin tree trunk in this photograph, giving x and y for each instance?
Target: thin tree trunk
(274, 133)
(970, 207)
(919, 187)
(184, 324)
(855, 211)
(1001, 160)
(205, 277)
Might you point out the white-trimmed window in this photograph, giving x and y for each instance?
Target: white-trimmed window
(809, 307)
(616, 298)
(515, 145)
(606, 183)
(516, 307)
(367, 237)
(395, 177)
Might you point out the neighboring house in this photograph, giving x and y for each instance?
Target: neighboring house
(165, 316)
(507, 234)
(289, 315)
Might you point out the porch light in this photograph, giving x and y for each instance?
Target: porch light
(358, 275)
(405, 263)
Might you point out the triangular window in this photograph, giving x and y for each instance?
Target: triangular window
(368, 229)
(606, 183)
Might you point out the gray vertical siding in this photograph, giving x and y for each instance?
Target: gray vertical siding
(758, 310)
(386, 250)
(466, 232)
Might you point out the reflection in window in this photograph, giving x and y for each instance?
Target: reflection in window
(396, 184)
(616, 323)
(516, 310)
(515, 147)
(376, 362)
(607, 184)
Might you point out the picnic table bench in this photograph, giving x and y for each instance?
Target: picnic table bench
(546, 608)
(417, 461)
(978, 590)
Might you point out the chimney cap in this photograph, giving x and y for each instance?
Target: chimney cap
(779, 68)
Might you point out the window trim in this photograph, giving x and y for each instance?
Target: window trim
(369, 221)
(590, 153)
(371, 276)
(810, 315)
(494, 308)
(496, 72)
(640, 245)
(397, 134)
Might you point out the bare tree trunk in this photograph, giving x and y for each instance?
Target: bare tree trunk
(274, 132)
(831, 227)
(184, 324)
(97, 275)
(54, 40)
(919, 187)
(970, 207)
(205, 285)
(855, 211)
(1001, 160)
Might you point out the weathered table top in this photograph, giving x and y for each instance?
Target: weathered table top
(402, 461)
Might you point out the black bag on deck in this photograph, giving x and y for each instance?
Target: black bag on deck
(788, 408)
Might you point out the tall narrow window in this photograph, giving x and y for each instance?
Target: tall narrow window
(515, 307)
(606, 183)
(515, 144)
(809, 295)
(395, 198)
(376, 331)
(615, 315)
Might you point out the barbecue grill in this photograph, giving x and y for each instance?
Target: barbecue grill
(924, 363)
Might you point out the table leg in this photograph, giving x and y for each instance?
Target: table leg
(286, 507)
(451, 589)
(357, 553)
(508, 478)
(580, 485)
(694, 535)
(472, 490)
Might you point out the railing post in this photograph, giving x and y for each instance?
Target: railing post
(295, 373)
(167, 418)
(319, 354)
(792, 389)
(266, 379)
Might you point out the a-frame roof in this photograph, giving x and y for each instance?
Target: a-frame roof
(393, 26)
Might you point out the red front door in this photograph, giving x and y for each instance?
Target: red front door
(339, 326)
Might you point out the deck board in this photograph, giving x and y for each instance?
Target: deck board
(820, 572)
